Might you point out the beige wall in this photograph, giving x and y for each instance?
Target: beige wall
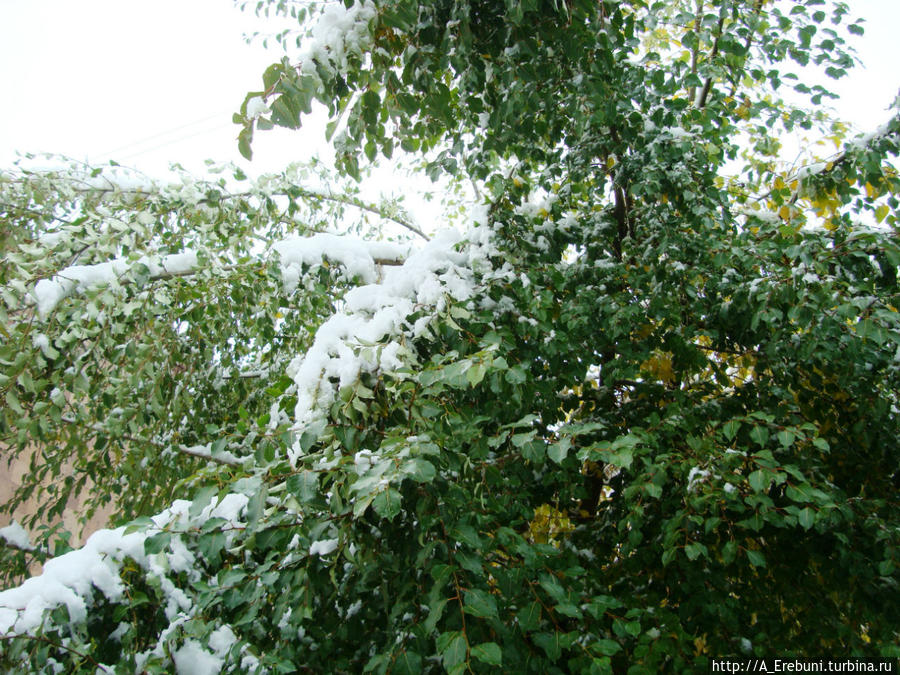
(11, 478)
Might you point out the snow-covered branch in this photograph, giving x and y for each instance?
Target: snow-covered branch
(359, 258)
(74, 578)
(82, 181)
(15, 536)
(371, 333)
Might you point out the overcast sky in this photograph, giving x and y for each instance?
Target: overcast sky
(147, 83)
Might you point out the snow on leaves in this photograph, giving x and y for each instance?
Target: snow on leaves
(370, 334)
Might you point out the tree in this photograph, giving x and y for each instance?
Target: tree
(642, 411)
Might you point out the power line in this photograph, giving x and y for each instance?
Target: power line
(168, 132)
(173, 141)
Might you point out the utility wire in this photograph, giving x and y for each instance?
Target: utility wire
(162, 134)
(173, 141)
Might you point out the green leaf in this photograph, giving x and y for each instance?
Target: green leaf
(806, 517)
(668, 556)
(621, 458)
(760, 435)
(653, 490)
(12, 400)
(694, 550)
(729, 551)
(387, 503)
(557, 452)
(436, 610)
(245, 138)
(786, 438)
(606, 647)
(535, 451)
(468, 535)
(407, 663)
(520, 440)
(157, 543)
(201, 499)
(756, 558)
(475, 373)
(550, 643)
(489, 653)
(304, 485)
(452, 648)
(529, 618)
(420, 470)
(480, 603)
(759, 480)
(568, 609)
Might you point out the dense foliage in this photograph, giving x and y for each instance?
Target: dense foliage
(642, 411)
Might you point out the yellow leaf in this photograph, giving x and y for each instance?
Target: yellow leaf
(659, 367)
(700, 645)
(785, 212)
(881, 212)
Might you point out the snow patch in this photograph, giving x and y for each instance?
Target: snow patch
(323, 547)
(15, 535)
(256, 107)
(193, 659)
(339, 32)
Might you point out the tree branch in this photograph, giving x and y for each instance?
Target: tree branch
(824, 167)
(193, 451)
(168, 267)
(293, 193)
(704, 94)
(695, 52)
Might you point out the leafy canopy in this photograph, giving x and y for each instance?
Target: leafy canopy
(642, 411)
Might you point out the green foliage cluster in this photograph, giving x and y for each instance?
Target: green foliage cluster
(661, 429)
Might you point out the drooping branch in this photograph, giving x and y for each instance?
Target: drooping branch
(145, 188)
(200, 451)
(358, 256)
(358, 203)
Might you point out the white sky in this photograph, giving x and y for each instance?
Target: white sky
(148, 83)
(144, 83)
